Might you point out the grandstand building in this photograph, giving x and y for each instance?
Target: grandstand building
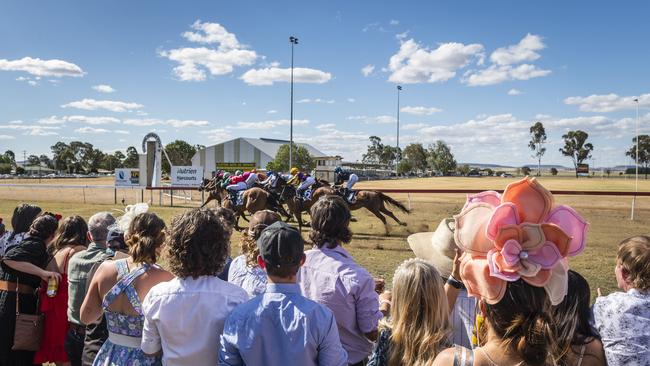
(244, 153)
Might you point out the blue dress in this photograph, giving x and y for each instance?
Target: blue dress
(124, 331)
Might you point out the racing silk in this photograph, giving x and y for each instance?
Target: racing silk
(297, 179)
(240, 178)
(226, 182)
(341, 176)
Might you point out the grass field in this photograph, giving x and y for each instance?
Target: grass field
(608, 216)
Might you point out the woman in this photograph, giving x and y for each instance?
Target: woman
(71, 237)
(21, 220)
(244, 270)
(22, 270)
(580, 344)
(418, 327)
(118, 288)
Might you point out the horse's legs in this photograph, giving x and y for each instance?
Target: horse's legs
(210, 198)
(390, 214)
(382, 218)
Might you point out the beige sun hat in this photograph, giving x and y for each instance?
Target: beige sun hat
(437, 248)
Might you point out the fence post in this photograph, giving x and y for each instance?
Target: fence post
(202, 197)
(115, 196)
(83, 190)
(409, 198)
(141, 194)
(171, 198)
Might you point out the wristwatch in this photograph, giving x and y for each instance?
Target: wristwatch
(454, 283)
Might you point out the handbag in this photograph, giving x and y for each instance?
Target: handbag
(29, 329)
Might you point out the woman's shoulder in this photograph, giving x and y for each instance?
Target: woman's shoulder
(594, 354)
(446, 357)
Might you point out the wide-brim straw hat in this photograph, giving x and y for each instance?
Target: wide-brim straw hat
(437, 247)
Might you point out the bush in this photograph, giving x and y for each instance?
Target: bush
(20, 170)
(525, 170)
(553, 171)
(499, 173)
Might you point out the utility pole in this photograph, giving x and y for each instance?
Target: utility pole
(294, 41)
(399, 156)
(636, 161)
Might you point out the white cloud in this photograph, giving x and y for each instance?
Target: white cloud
(497, 74)
(122, 132)
(185, 123)
(414, 126)
(524, 51)
(416, 64)
(367, 70)
(91, 130)
(333, 141)
(103, 88)
(272, 111)
(92, 120)
(608, 102)
(384, 119)
(110, 105)
(32, 130)
(266, 125)
(38, 67)
(317, 100)
(143, 122)
(351, 100)
(52, 120)
(394, 22)
(217, 134)
(420, 111)
(7, 137)
(220, 61)
(514, 92)
(270, 75)
(401, 36)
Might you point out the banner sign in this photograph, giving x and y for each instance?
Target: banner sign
(186, 176)
(127, 177)
(583, 168)
(232, 167)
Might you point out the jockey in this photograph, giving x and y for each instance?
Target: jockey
(340, 176)
(271, 179)
(252, 179)
(302, 180)
(238, 182)
(225, 179)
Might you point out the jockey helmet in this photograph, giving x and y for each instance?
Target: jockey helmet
(226, 175)
(239, 172)
(338, 169)
(294, 171)
(253, 170)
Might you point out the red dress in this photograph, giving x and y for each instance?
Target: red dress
(55, 326)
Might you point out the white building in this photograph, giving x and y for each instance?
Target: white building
(244, 150)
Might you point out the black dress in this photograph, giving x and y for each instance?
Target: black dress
(32, 250)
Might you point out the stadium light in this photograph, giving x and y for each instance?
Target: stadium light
(636, 160)
(399, 156)
(294, 41)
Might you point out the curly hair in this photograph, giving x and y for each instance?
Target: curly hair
(198, 243)
(146, 235)
(72, 231)
(43, 227)
(248, 242)
(634, 257)
(24, 215)
(330, 222)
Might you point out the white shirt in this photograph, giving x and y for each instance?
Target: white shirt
(253, 280)
(185, 318)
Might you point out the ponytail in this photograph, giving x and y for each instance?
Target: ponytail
(43, 227)
(145, 237)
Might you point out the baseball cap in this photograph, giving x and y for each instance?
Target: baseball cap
(281, 245)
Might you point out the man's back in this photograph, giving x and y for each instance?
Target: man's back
(78, 269)
(281, 327)
(184, 318)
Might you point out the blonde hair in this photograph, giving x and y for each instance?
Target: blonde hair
(634, 257)
(419, 315)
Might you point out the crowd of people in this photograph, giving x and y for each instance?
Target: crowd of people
(491, 286)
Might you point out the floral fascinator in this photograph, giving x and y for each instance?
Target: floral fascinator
(519, 234)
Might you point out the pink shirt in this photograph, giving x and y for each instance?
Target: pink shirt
(332, 278)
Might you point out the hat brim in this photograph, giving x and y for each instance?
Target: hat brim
(422, 246)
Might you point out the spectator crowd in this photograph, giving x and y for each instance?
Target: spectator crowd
(490, 286)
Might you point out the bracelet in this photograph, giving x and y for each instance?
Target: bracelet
(454, 283)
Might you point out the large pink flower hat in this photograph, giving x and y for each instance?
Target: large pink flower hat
(517, 235)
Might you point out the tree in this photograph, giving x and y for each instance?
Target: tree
(404, 166)
(536, 143)
(180, 153)
(644, 152)
(416, 156)
(608, 172)
(464, 169)
(113, 161)
(45, 161)
(33, 160)
(576, 147)
(132, 159)
(10, 156)
(62, 156)
(525, 170)
(301, 159)
(553, 171)
(440, 158)
(374, 151)
(489, 172)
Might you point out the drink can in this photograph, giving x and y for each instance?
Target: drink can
(52, 287)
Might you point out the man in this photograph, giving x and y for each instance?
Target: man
(252, 179)
(238, 182)
(303, 182)
(79, 268)
(331, 277)
(184, 317)
(281, 327)
(341, 176)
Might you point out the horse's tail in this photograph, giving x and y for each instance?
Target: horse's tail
(393, 202)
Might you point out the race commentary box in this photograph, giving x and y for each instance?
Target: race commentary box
(186, 176)
(127, 177)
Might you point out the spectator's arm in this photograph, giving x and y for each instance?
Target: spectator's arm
(330, 351)
(31, 269)
(91, 308)
(151, 344)
(229, 353)
(367, 308)
(451, 291)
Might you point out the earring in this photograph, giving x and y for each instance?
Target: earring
(478, 324)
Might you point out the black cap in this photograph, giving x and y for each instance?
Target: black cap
(281, 245)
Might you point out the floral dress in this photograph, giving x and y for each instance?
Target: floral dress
(124, 331)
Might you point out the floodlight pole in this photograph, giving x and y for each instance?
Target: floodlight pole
(399, 156)
(294, 41)
(636, 160)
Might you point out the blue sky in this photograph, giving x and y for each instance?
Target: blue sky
(476, 74)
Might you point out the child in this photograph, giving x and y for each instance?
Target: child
(623, 318)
